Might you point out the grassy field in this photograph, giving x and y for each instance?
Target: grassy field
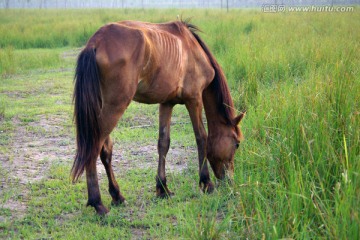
(296, 174)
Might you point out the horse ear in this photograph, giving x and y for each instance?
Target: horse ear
(238, 118)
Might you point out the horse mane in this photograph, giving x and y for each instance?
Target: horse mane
(218, 85)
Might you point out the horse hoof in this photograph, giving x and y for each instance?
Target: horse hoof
(118, 202)
(164, 195)
(208, 187)
(101, 210)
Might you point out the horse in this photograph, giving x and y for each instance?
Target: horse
(165, 64)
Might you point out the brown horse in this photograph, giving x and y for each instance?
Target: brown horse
(150, 63)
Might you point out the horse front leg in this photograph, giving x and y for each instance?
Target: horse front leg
(195, 111)
(165, 111)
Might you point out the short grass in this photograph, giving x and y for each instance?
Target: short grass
(296, 174)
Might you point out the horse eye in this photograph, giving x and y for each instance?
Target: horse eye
(237, 145)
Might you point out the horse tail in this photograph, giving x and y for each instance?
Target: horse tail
(87, 107)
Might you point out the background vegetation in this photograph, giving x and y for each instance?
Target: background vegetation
(296, 174)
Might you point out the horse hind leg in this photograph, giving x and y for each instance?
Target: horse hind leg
(94, 197)
(106, 157)
(109, 116)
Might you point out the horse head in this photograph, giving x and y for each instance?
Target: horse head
(221, 147)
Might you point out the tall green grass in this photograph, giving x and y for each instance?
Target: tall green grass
(298, 77)
(63, 28)
(23, 60)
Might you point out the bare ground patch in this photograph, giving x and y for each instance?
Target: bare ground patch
(36, 145)
(132, 156)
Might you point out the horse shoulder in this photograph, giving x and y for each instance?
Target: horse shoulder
(199, 71)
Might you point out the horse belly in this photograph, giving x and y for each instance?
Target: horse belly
(162, 77)
(157, 92)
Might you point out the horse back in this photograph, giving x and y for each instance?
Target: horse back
(175, 64)
(164, 61)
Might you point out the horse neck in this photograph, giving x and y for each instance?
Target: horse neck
(215, 120)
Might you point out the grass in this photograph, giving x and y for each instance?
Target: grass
(296, 174)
